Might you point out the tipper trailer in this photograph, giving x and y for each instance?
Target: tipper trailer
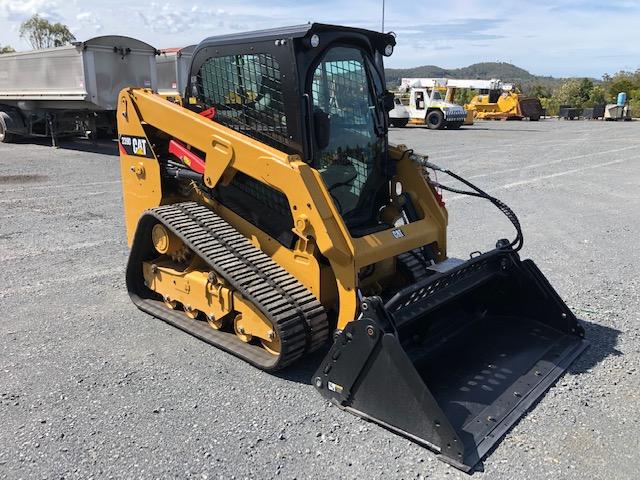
(173, 71)
(72, 89)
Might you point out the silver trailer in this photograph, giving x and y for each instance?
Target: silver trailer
(72, 89)
(173, 70)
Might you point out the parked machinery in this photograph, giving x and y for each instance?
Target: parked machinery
(71, 89)
(269, 215)
(420, 101)
(568, 112)
(593, 113)
(173, 71)
(619, 110)
(497, 100)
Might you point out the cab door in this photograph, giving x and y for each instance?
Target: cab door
(419, 101)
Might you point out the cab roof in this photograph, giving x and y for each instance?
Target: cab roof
(291, 32)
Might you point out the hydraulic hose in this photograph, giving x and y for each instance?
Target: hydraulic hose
(518, 241)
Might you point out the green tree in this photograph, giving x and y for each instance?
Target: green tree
(579, 93)
(540, 91)
(43, 34)
(7, 49)
(628, 82)
(623, 82)
(569, 93)
(584, 90)
(551, 105)
(597, 96)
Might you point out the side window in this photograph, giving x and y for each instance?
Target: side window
(246, 91)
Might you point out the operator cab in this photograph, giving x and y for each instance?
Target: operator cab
(317, 91)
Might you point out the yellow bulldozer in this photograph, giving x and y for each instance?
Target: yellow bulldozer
(505, 106)
(496, 100)
(269, 216)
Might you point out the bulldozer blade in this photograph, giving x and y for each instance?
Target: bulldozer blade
(455, 360)
(531, 108)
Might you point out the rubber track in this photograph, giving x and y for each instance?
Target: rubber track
(297, 316)
(413, 264)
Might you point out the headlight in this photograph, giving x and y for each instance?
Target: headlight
(315, 40)
(388, 50)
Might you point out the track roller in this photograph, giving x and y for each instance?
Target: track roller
(191, 312)
(215, 323)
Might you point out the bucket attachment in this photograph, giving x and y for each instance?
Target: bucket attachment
(453, 361)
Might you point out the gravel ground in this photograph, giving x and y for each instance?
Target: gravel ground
(92, 387)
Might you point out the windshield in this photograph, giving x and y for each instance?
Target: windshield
(436, 94)
(350, 163)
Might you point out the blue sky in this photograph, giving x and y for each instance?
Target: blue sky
(561, 38)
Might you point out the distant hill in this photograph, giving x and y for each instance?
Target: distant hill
(485, 70)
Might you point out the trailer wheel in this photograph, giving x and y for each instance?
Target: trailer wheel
(5, 137)
(435, 120)
(399, 122)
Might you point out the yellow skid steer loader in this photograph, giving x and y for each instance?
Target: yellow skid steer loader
(268, 215)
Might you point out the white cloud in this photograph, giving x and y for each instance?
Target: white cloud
(544, 36)
(18, 10)
(89, 20)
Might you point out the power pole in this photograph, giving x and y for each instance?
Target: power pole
(382, 16)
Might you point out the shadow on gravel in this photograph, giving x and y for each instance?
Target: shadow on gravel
(424, 127)
(517, 130)
(602, 344)
(302, 371)
(475, 127)
(103, 147)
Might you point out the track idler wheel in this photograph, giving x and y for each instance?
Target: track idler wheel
(240, 329)
(253, 325)
(165, 242)
(271, 346)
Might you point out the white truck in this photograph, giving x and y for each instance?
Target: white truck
(419, 101)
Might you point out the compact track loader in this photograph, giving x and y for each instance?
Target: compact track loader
(269, 216)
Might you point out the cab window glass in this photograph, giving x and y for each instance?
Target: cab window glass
(350, 160)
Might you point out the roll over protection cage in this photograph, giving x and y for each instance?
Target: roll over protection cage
(291, 48)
